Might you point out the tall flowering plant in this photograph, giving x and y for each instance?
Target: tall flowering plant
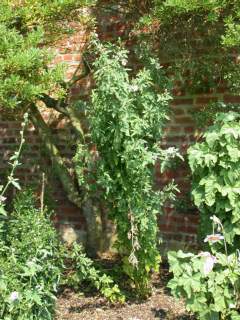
(127, 114)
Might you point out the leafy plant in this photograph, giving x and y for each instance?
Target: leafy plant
(11, 181)
(127, 115)
(215, 168)
(84, 271)
(30, 254)
(31, 263)
(26, 16)
(199, 46)
(14, 163)
(207, 115)
(208, 282)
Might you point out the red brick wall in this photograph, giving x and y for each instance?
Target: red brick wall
(177, 225)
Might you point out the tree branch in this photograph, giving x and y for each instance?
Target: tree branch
(86, 69)
(52, 103)
(54, 154)
(60, 105)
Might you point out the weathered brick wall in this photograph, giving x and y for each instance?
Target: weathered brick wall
(178, 225)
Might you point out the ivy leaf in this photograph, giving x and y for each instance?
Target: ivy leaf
(233, 153)
(211, 138)
(230, 132)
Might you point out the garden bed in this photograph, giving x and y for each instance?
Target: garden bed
(161, 305)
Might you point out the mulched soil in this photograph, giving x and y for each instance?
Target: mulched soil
(161, 305)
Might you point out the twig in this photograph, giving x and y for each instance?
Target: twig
(42, 193)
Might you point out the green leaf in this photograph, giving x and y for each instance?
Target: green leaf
(211, 138)
(16, 184)
(3, 212)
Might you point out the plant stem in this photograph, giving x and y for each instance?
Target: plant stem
(15, 162)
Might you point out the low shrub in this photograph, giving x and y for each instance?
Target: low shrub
(34, 264)
(84, 271)
(31, 263)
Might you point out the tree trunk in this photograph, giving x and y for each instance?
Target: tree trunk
(68, 183)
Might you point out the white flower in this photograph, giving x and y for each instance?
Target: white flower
(214, 238)
(171, 151)
(209, 262)
(124, 62)
(2, 199)
(133, 260)
(134, 88)
(14, 296)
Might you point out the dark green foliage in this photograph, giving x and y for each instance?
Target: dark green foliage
(23, 73)
(206, 117)
(52, 16)
(195, 39)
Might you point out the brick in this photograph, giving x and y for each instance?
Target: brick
(175, 139)
(222, 89)
(177, 237)
(4, 125)
(187, 229)
(166, 228)
(58, 59)
(75, 91)
(173, 130)
(205, 100)
(76, 57)
(178, 111)
(67, 57)
(178, 92)
(190, 239)
(189, 129)
(184, 101)
(231, 99)
(184, 120)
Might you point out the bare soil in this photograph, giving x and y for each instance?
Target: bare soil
(161, 305)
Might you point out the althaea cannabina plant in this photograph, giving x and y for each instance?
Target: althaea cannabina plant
(127, 115)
